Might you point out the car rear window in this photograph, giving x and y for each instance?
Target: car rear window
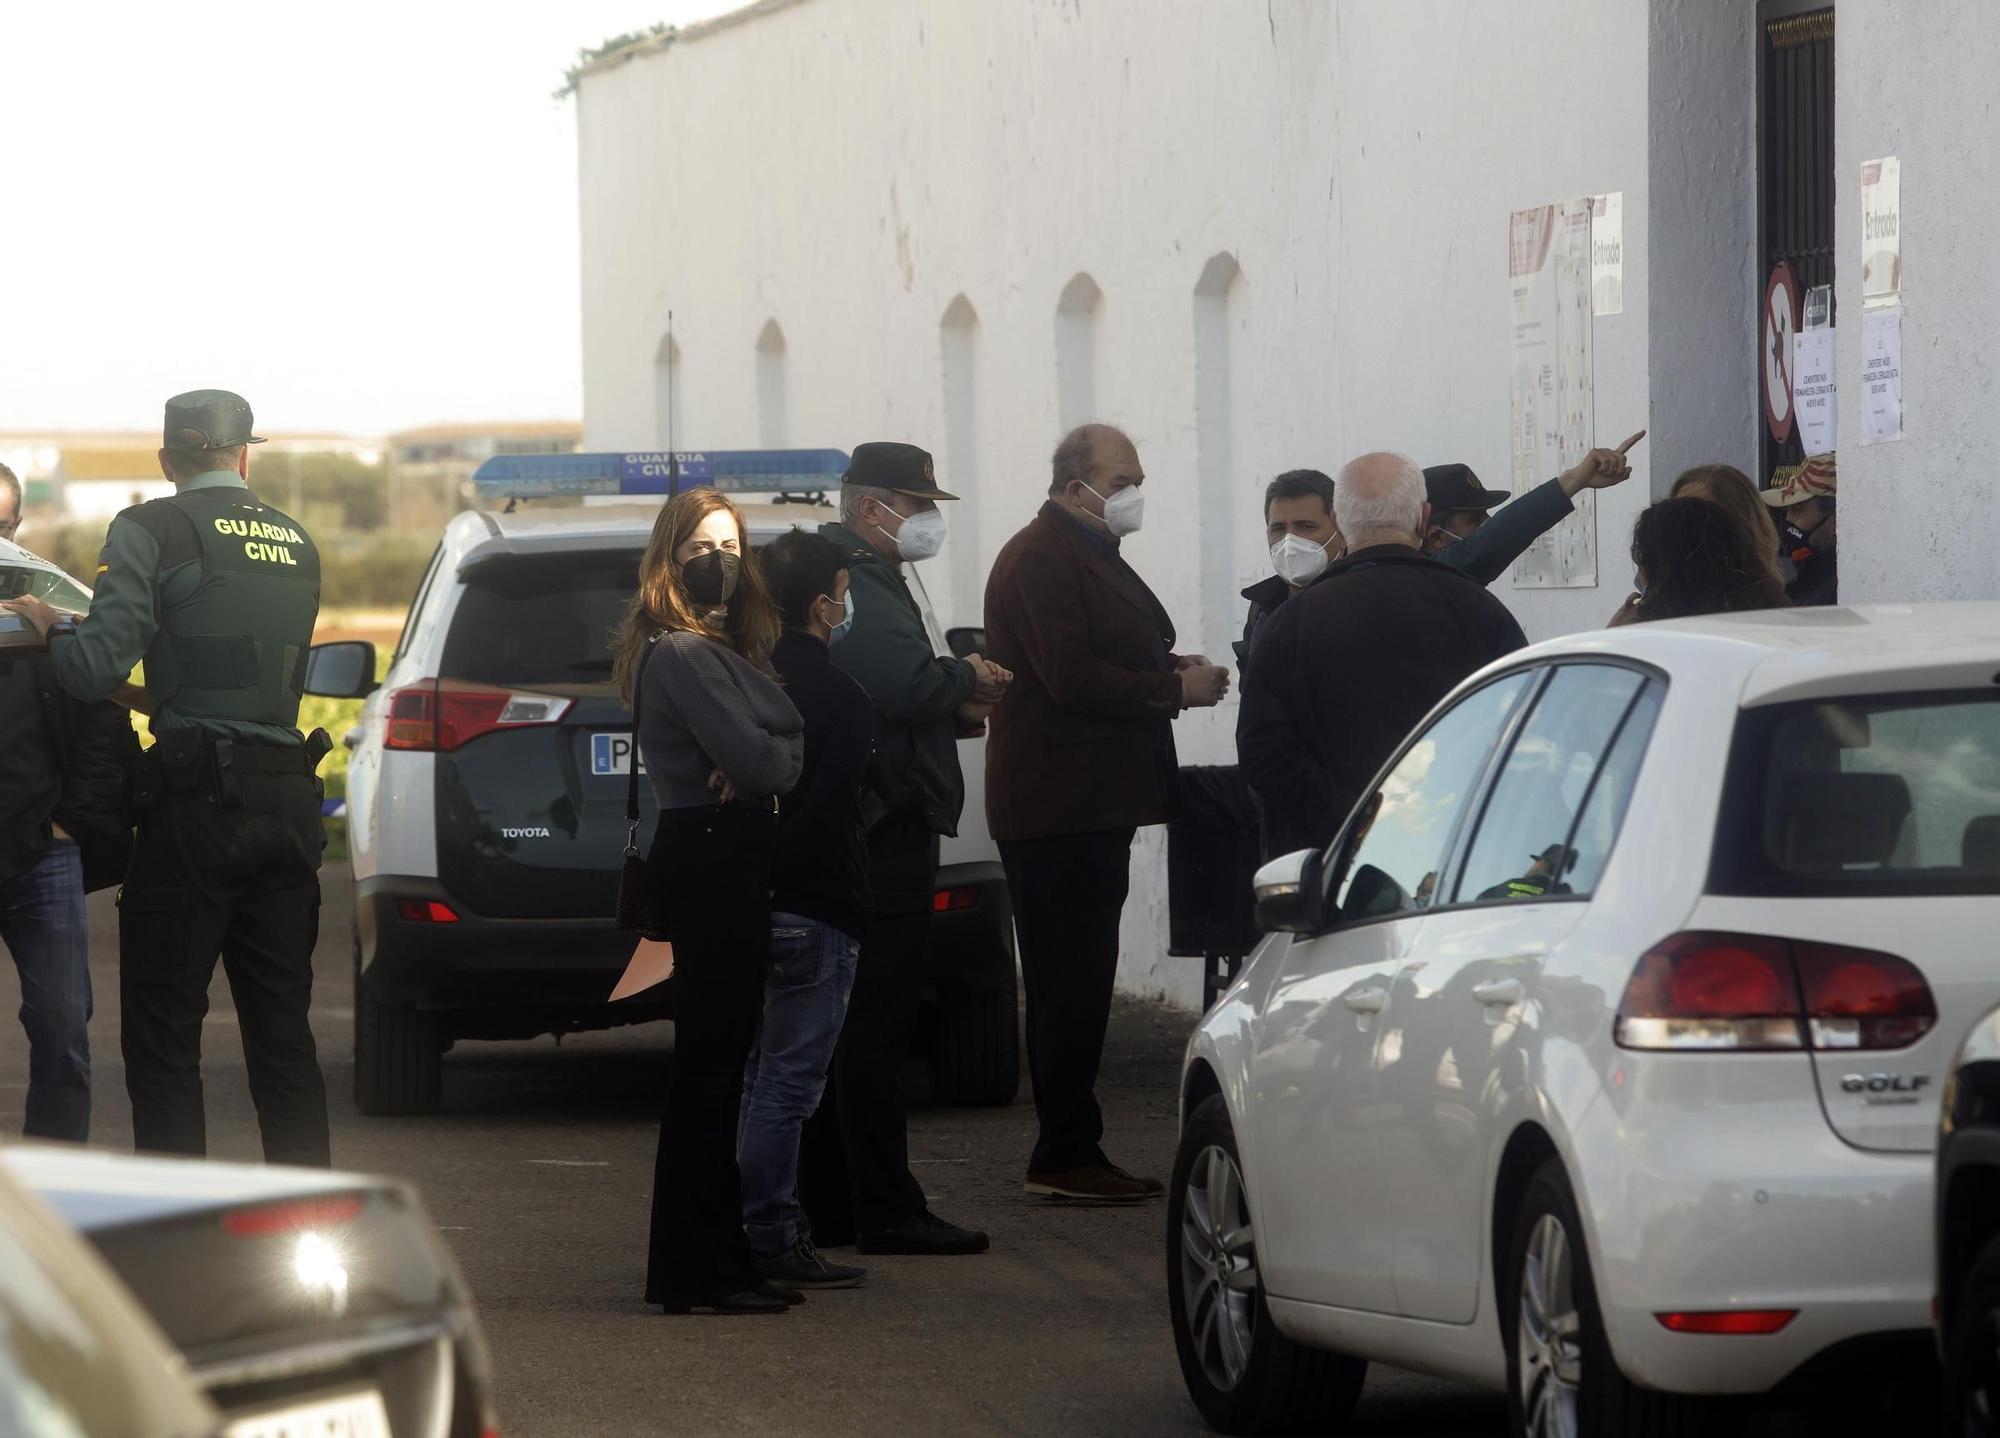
(1894, 794)
(544, 619)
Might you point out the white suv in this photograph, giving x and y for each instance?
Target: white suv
(1599, 1057)
(486, 815)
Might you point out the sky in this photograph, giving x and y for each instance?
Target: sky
(362, 217)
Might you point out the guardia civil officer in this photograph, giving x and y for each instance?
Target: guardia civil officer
(217, 592)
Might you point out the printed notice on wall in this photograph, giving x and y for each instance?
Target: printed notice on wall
(1882, 375)
(1881, 232)
(1607, 254)
(1553, 415)
(1813, 390)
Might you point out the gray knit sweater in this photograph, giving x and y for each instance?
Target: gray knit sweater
(705, 707)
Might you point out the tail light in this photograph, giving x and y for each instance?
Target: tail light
(1729, 1321)
(954, 901)
(443, 714)
(425, 911)
(292, 1217)
(1753, 993)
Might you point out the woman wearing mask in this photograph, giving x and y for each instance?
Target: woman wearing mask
(720, 741)
(1693, 558)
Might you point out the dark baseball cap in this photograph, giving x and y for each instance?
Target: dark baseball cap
(901, 468)
(1455, 486)
(208, 419)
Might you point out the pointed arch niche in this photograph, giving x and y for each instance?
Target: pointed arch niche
(1079, 312)
(773, 414)
(1215, 292)
(667, 412)
(958, 370)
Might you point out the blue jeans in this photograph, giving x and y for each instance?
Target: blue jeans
(43, 926)
(805, 1003)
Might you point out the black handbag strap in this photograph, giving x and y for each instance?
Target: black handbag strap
(632, 764)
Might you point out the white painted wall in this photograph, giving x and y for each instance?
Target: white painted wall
(849, 167)
(1913, 513)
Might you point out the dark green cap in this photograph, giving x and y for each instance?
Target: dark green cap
(902, 468)
(208, 419)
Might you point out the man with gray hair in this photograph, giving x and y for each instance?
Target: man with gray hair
(1346, 669)
(10, 503)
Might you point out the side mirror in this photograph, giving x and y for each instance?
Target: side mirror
(1288, 894)
(342, 670)
(962, 642)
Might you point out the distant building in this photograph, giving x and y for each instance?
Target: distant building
(79, 476)
(430, 469)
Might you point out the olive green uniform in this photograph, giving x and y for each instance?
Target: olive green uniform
(218, 594)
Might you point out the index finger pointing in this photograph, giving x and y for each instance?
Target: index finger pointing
(1632, 441)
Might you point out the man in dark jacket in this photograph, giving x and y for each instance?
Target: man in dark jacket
(913, 793)
(819, 909)
(1298, 517)
(64, 831)
(1081, 753)
(1346, 669)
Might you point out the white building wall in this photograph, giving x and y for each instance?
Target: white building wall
(1913, 513)
(849, 167)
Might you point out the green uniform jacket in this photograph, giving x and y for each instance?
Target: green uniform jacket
(913, 688)
(129, 596)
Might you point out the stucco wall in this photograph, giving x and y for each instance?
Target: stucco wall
(1912, 513)
(850, 168)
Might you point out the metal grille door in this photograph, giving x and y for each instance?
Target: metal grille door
(1795, 211)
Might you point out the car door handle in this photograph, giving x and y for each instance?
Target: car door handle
(1499, 993)
(1366, 1001)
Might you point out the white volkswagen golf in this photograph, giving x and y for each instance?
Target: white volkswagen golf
(1598, 1058)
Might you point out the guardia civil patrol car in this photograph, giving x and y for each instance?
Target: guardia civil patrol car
(486, 792)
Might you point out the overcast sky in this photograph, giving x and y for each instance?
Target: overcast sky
(360, 216)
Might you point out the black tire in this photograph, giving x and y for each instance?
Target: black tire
(1971, 1395)
(1605, 1401)
(975, 1047)
(1279, 1386)
(398, 1054)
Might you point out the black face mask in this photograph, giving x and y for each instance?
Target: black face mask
(711, 578)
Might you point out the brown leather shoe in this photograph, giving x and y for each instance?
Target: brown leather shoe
(1093, 1183)
(1152, 1186)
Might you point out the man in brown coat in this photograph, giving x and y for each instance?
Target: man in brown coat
(1080, 753)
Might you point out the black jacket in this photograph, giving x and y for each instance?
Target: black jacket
(1817, 582)
(97, 750)
(914, 689)
(1483, 554)
(822, 869)
(1344, 671)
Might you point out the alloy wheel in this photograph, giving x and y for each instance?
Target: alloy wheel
(1549, 1346)
(1219, 1279)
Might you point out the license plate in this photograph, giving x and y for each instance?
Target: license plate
(612, 753)
(356, 1415)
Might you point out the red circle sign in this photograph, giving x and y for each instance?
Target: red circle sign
(1781, 322)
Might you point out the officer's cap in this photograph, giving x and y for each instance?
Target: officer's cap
(1455, 486)
(208, 419)
(902, 468)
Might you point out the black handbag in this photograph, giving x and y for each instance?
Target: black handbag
(635, 907)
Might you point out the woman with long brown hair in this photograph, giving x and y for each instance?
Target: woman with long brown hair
(1729, 489)
(720, 741)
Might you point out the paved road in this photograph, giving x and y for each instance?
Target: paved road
(539, 1167)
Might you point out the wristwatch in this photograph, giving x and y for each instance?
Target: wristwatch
(64, 625)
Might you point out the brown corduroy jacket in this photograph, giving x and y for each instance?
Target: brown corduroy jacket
(1084, 739)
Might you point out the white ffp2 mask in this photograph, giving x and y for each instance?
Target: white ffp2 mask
(1125, 511)
(1297, 560)
(919, 536)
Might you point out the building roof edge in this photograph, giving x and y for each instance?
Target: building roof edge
(685, 34)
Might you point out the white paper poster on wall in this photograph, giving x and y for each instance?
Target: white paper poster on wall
(1553, 414)
(1882, 375)
(1814, 391)
(1881, 232)
(1607, 254)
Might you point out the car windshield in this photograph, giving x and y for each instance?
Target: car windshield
(540, 619)
(1897, 794)
(48, 584)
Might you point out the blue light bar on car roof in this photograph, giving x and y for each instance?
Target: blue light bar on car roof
(733, 471)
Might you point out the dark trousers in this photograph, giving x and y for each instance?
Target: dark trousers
(709, 869)
(240, 879)
(1068, 893)
(42, 925)
(854, 1159)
